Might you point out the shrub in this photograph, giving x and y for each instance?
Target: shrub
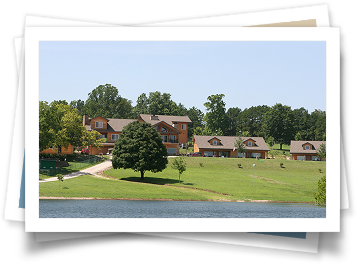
(239, 165)
(201, 164)
(281, 165)
(320, 170)
(60, 178)
(320, 195)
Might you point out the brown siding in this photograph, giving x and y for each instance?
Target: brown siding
(70, 150)
(98, 119)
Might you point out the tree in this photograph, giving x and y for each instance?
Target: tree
(216, 117)
(93, 139)
(140, 148)
(278, 123)
(61, 125)
(141, 106)
(321, 152)
(302, 125)
(79, 105)
(196, 116)
(179, 163)
(318, 124)
(239, 145)
(251, 120)
(234, 119)
(105, 101)
(320, 195)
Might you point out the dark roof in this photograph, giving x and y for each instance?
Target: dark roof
(296, 147)
(227, 142)
(114, 125)
(166, 118)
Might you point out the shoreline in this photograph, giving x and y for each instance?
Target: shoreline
(139, 199)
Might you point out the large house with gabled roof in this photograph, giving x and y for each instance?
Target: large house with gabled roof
(224, 146)
(173, 130)
(306, 150)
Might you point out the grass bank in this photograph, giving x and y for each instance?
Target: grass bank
(206, 178)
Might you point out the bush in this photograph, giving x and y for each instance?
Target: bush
(320, 195)
(201, 164)
(239, 165)
(320, 170)
(281, 165)
(66, 157)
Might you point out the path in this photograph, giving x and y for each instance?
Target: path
(94, 170)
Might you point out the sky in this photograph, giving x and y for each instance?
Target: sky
(248, 73)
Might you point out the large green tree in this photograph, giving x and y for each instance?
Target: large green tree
(158, 103)
(61, 125)
(140, 148)
(279, 124)
(302, 125)
(216, 117)
(234, 120)
(251, 120)
(105, 101)
(318, 124)
(196, 116)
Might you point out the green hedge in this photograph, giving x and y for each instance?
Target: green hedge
(67, 157)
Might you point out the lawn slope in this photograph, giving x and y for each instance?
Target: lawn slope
(205, 179)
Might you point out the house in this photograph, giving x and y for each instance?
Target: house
(110, 129)
(305, 150)
(173, 129)
(224, 146)
(64, 150)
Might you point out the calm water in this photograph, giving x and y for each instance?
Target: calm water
(175, 209)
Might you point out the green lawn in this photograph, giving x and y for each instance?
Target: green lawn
(89, 186)
(296, 181)
(73, 167)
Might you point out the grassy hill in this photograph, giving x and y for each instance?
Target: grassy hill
(206, 178)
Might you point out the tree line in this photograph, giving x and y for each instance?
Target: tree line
(277, 124)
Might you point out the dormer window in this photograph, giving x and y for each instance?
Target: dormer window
(250, 144)
(214, 142)
(98, 124)
(307, 147)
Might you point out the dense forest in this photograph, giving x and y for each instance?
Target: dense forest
(277, 124)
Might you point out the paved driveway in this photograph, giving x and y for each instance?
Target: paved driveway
(94, 170)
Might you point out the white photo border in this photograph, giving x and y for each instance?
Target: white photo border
(36, 34)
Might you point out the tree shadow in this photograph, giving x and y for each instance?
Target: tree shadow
(158, 181)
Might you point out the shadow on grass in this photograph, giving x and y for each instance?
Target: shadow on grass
(159, 181)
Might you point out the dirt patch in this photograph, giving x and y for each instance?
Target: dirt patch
(273, 181)
(198, 189)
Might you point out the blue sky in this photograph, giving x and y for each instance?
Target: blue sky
(248, 73)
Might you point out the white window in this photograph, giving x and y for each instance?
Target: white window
(163, 129)
(115, 136)
(157, 128)
(307, 147)
(164, 138)
(98, 124)
(214, 142)
(172, 138)
(249, 143)
(102, 136)
(183, 126)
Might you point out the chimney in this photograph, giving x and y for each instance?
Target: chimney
(154, 117)
(85, 119)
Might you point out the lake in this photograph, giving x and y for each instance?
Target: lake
(176, 209)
